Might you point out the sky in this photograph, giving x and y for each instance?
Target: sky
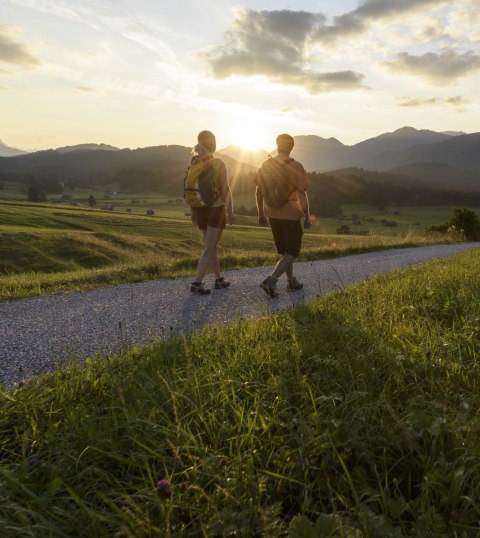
(138, 73)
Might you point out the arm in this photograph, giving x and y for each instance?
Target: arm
(303, 184)
(262, 219)
(302, 195)
(226, 193)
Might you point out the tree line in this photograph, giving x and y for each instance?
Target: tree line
(327, 193)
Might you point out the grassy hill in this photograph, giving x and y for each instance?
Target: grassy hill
(355, 415)
(47, 248)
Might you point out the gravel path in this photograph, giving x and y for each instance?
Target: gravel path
(39, 333)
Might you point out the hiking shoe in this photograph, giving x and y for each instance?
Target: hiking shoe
(293, 284)
(269, 286)
(199, 288)
(221, 283)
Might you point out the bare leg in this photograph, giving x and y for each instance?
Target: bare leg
(284, 265)
(209, 257)
(289, 269)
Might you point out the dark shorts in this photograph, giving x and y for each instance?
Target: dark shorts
(287, 235)
(209, 216)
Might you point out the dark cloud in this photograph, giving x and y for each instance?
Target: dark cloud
(359, 20)
(455, 101)
(15, 53)
(442, 69)
(277, 44)
(324, 82)
(280, 44)
(376, 9)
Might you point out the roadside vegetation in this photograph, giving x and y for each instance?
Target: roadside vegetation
(353, 416)
(47, 248)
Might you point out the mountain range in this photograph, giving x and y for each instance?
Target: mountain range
(449, 160)
(6, 151)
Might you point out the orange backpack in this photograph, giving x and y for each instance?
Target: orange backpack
(275, 179)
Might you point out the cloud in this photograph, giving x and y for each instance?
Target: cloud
(413, 101)
(439, 68)
(14, 53)
(462, 22)
(86, 89)
(123, 20)
(277, 45)
(455, 101)
(433, 30)
(359, 20)
(280, 45)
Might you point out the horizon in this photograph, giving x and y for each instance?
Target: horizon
(142, 74)
(230, 145)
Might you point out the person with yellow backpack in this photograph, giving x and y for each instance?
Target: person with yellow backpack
(207, 192)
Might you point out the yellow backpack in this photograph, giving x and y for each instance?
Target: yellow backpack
(201, 186)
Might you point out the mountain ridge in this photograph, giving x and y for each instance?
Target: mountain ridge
(7, 151)
(444, 160)
(87, 147)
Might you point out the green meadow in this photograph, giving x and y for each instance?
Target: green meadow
(51, 247)
(352, 416)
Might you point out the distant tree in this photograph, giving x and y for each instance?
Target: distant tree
(243, 210)
(51, 185)
(324, 195)
(91, 201)
(464, 222)
(36, 192)
(344, 229)
(378, 199)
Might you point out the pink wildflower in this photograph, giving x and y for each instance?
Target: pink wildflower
(163, 486)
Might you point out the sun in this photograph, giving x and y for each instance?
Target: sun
(250, 136)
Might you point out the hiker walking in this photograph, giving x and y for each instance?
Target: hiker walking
(282, 200)
(208, 193)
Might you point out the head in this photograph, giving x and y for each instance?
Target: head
(206, 142)
(285, 143)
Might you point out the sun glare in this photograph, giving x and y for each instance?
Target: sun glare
(250, 136)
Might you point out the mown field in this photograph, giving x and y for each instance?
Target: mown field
(356, 415)
(48, 248)
(413, 220)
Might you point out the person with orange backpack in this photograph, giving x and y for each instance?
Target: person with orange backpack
(281, 196)
(207, 192)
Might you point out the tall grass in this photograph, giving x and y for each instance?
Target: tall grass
(354, 415)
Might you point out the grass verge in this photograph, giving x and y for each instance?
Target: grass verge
(68, 250)
(82, 262)
(355, 415)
